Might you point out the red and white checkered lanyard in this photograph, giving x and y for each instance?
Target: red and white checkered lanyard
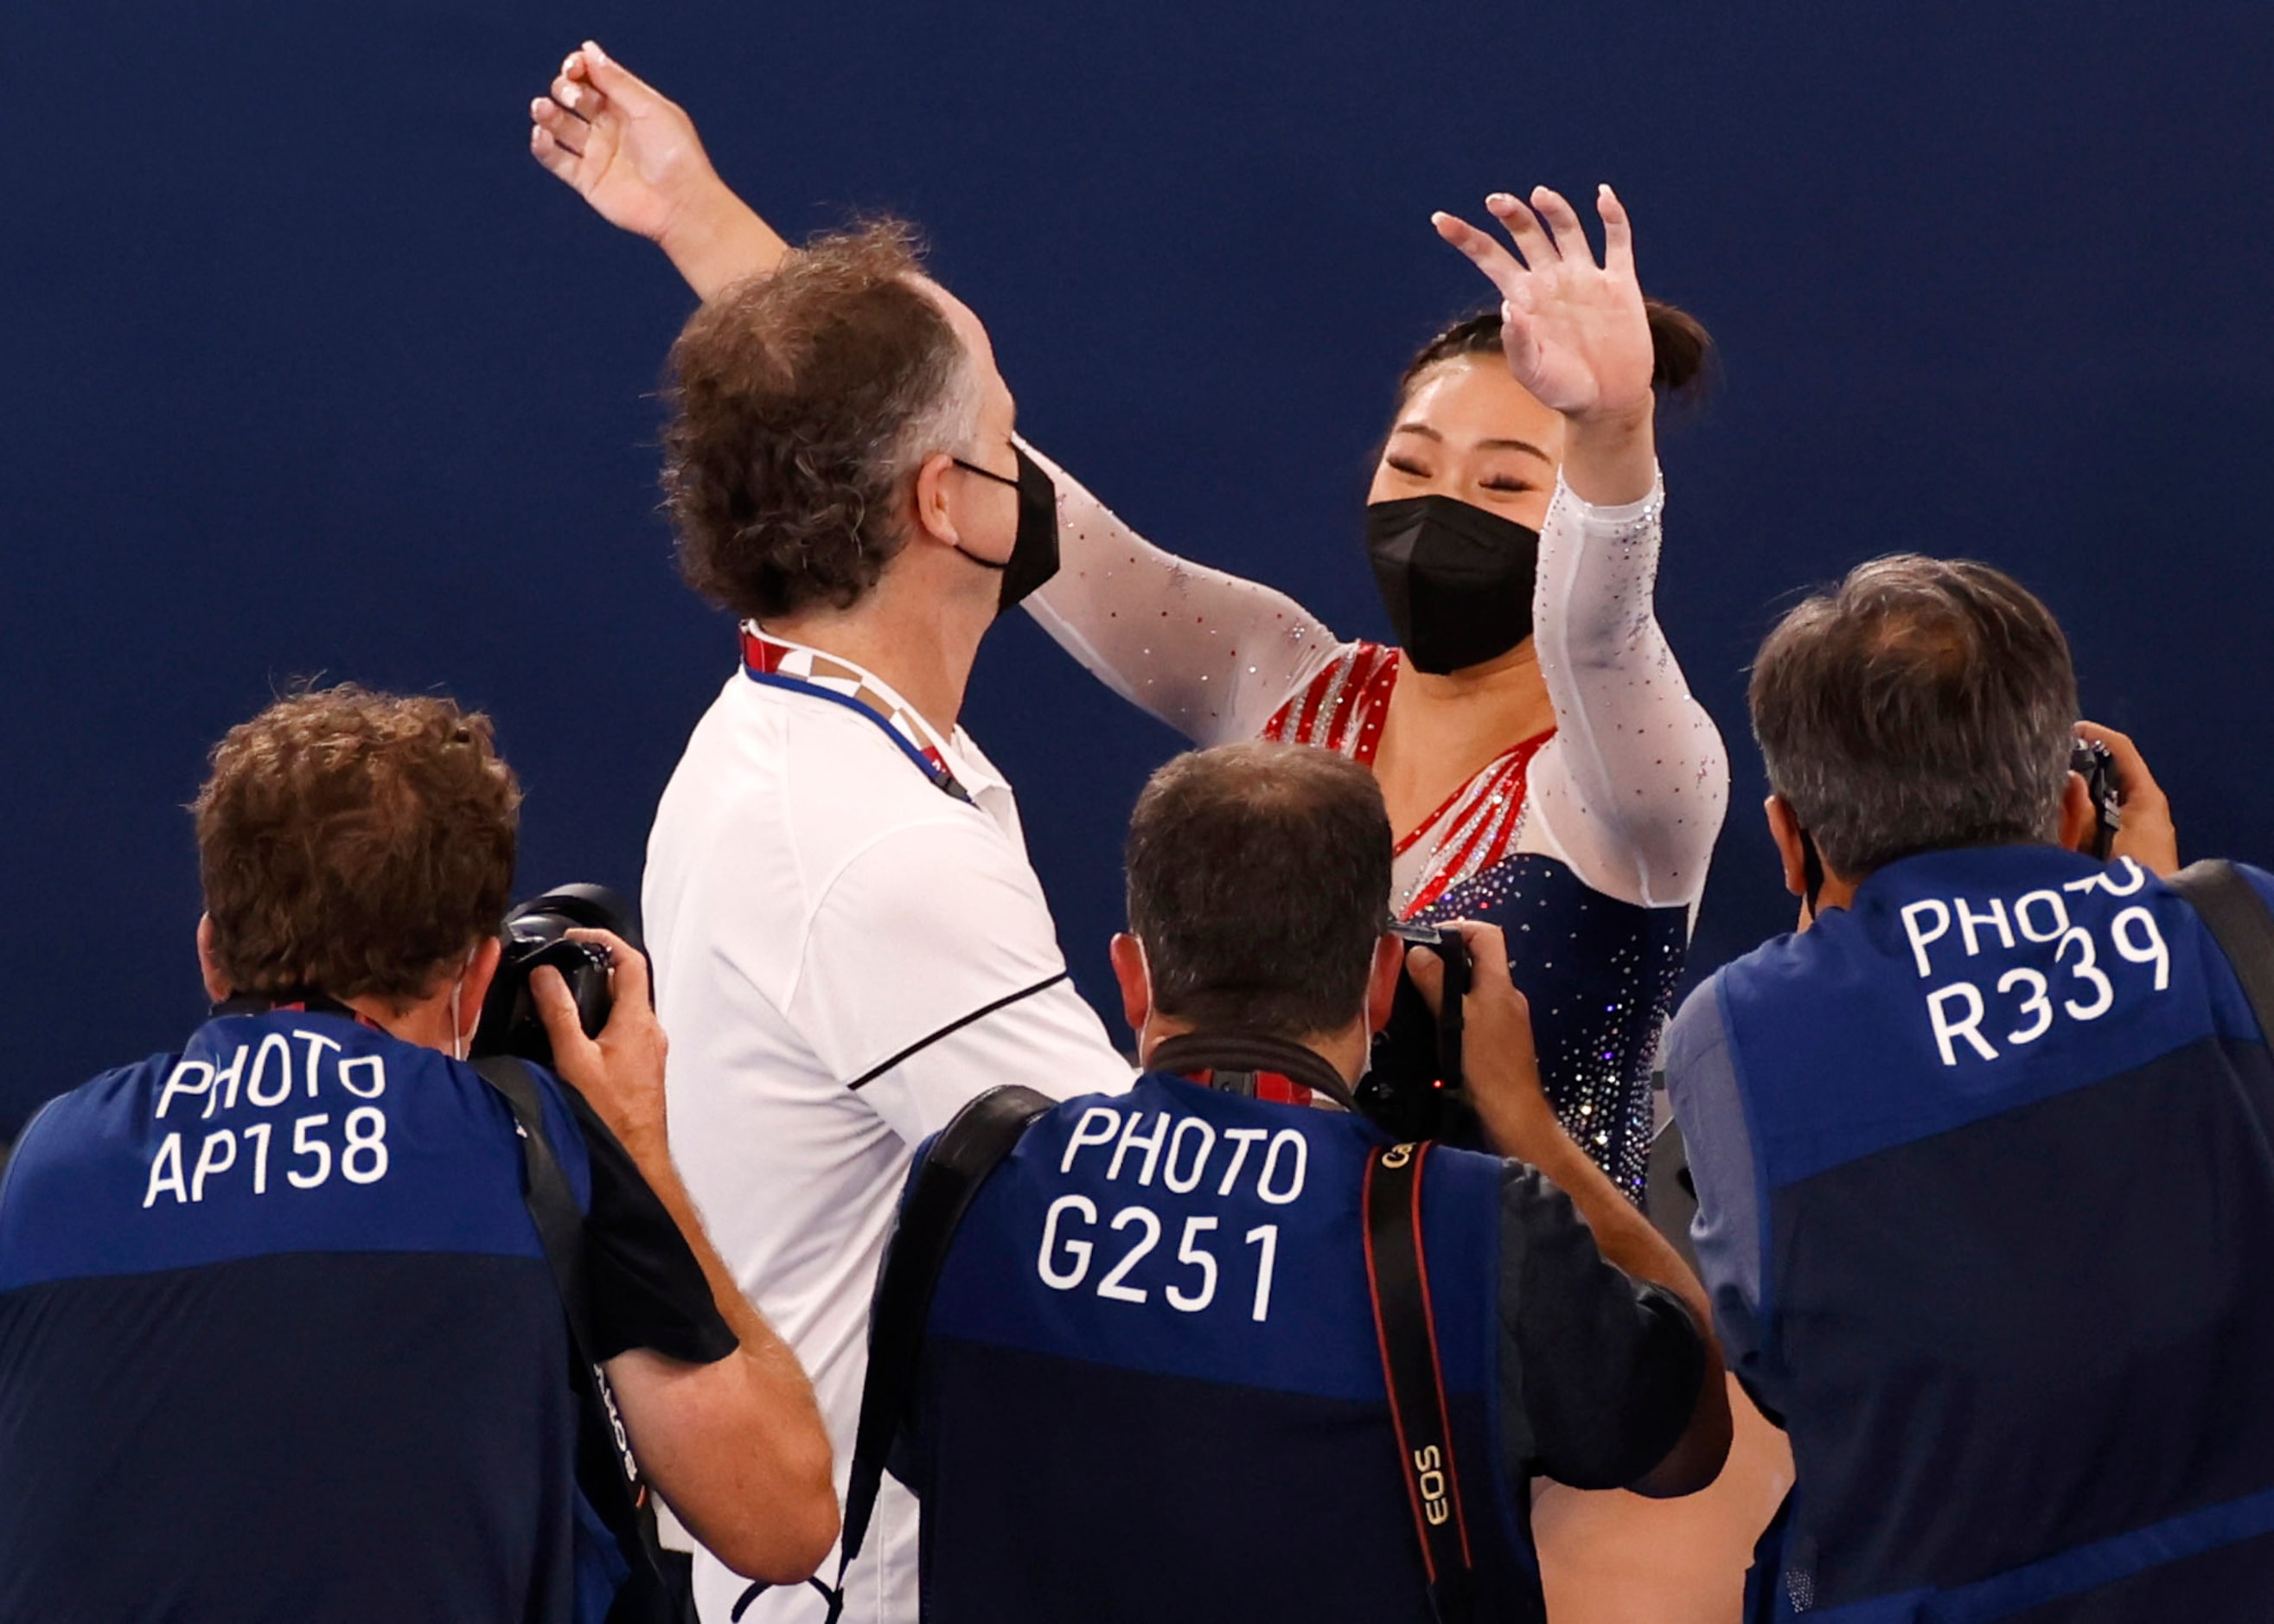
(804, 670)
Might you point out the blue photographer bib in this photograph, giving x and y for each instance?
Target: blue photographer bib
(2010, 1118)
(1152, 1387)
(277, 1341)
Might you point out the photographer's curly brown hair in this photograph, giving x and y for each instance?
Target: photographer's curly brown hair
(354, 842)
(800, 401)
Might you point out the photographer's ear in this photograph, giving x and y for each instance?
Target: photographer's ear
(1134, 978)
(1382, 980)
(480, 972)
(1792, 848)
(2080, 819)
(217, 986)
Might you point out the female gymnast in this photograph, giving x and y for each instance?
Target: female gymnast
(1545, 765)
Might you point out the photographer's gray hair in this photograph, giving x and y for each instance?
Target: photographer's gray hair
(1922, 703)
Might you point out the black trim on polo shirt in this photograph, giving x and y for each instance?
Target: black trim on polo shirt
(956, 1026)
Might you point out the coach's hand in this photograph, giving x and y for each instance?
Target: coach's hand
(1497, 1060)
(631, 152)
(620, 1073)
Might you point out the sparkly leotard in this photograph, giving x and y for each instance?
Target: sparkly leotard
(1587, 844)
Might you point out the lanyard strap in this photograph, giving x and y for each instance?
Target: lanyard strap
(927, 762)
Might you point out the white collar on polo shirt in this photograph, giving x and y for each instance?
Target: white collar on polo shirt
(778, 656)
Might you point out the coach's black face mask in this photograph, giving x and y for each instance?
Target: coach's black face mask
(1456, 579)
(1035, 550)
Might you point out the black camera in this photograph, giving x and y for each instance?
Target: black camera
(2093, 761)
(1412, 1088)
(537, 933)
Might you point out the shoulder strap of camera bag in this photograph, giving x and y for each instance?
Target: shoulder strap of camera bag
(940, 1191)
(2239, 920)
(552, 1204)
(624, 1505)
(1398, 1274)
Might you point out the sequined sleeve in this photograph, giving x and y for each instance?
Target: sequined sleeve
(1207, 653)
(1631, 789)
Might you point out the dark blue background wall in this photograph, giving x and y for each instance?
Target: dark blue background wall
(308, 368)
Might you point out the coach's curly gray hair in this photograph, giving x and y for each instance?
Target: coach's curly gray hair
(800, 402)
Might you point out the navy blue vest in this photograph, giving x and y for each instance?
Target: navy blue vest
(1151, 1385)
(277, 1341)
(2010, 1118)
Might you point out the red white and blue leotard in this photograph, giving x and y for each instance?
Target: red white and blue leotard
(1588, 844)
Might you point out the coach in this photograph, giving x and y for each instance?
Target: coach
(848, 938)
(1985, 1197)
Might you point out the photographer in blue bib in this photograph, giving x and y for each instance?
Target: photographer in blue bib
(316, 1321)
(1985, 1196)
(1217, 1349)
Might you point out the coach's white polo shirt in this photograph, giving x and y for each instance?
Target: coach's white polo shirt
(845, 953)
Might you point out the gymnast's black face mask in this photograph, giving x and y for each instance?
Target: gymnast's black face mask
(1035, 550)
(1456, 579)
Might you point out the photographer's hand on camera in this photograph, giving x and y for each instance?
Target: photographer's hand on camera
(1502, 1075)
(1500, 1071)
(2147, 835)
(620, 1073)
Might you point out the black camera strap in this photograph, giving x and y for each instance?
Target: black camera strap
(620, 1494)
(552, 1204)
(945, 1181)
(1234, 1050)
(2239, 920)
(1398, 1274)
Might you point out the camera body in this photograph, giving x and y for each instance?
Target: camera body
(2092, 761)
(1412, 1088)
(537, 933)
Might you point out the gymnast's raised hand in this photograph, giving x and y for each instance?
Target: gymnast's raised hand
(1576, 333)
